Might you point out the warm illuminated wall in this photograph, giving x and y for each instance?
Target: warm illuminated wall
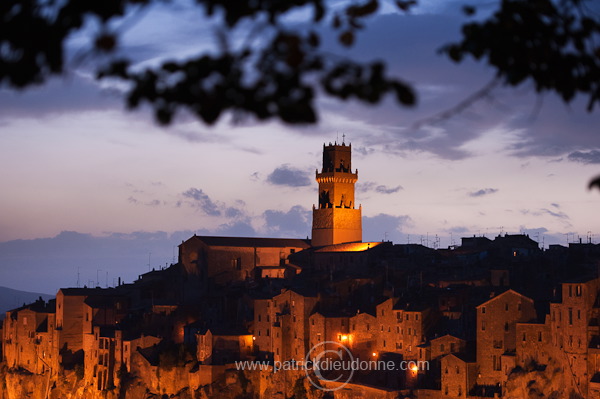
(496, 333)
(458, 376)
(336, 219)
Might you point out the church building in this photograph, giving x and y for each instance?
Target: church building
(336, 220)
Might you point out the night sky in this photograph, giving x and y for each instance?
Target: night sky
(89, 186)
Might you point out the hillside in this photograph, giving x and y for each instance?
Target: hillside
(10, 299)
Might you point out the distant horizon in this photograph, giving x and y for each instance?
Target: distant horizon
(70, 256)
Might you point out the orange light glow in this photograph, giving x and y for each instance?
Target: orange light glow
(344, 338)
(374, 354)
(414, 368)
(253, 338)
(349, 247)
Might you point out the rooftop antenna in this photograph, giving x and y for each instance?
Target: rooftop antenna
(77, 276)
(343, 138)
(337, 137)
(543, 240)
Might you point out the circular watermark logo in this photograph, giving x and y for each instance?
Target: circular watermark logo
(329, 357)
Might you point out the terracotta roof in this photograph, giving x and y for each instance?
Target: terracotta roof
(217, 241)
(448, 335)
(506, 293)
(349, 247)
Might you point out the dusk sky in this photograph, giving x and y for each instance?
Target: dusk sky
(125, 191)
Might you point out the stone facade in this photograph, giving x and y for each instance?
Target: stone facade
(459, 376)
(336, 219)
(496, 334)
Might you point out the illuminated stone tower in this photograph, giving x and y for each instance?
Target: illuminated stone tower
(336, 220)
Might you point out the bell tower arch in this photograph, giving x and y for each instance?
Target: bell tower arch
(336, 219)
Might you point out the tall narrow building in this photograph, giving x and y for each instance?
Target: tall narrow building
(336, 220)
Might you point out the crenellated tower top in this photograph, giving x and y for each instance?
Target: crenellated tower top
(336, 220)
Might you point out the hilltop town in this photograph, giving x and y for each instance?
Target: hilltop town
(491, 317)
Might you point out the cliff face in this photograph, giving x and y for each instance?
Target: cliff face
(549, 381)
(154, 382)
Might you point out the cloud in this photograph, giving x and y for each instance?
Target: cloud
(388, 190)
(458, 229)
(556, 130)
(384, 227)
(78, 93)
(202, 201)
(288, 176)
(232, 212)
(154, 202)
(585, 157)
(240, 228)
(294, 223)
(482, 192)
(546, 211)
(378, 188)
(559, 215)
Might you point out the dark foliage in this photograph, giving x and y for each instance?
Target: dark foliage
(279, 70)
(553, 43)
(274, 77)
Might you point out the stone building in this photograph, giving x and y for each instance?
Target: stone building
(534, 344)
(103, 349)
(459, 375)
(281, 324)
(223, 346)
(329, 330)
(29, 338)
(336, 219)
(75, 317)
(497, 321)
(227, 259)
(445, 345)
(363, 335)
(402, 327)
(573, 327)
